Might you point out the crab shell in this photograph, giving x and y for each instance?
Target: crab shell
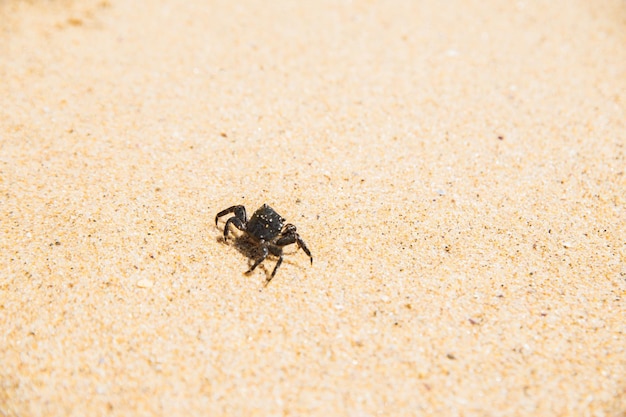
(265, 224)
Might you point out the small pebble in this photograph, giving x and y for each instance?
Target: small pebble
(145, 283)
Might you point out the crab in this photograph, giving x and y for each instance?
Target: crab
(267, 230)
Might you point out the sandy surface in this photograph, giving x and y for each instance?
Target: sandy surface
(457, 169)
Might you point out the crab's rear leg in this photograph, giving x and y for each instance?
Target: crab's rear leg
(276, 251)
(290, 236)
(264, 252)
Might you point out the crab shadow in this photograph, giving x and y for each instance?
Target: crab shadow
(248, 248)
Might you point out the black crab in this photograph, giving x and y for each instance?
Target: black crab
(267, 230)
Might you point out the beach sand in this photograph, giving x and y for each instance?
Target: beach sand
(456, 168)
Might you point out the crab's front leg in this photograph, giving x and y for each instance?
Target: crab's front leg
(240, 213)
(239, 220)
(235, 221)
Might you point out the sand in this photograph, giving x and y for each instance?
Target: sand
(456, 168)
